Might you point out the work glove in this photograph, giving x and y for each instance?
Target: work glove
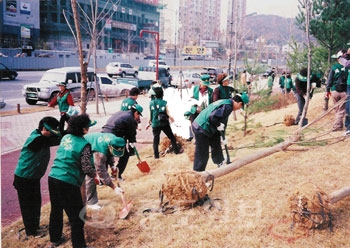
(221, 127)
(115, 171)
(97, 180)
(223, 141)
(118, 191)
(328, 95)
(131, 149)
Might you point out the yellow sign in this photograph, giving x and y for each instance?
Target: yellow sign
(194, 50)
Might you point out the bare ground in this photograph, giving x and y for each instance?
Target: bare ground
(250, 204)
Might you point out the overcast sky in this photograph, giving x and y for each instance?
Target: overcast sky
(285, 8)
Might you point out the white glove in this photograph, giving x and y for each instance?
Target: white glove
(118, 191)
(132, 145)
(221, 127)
(223, 142)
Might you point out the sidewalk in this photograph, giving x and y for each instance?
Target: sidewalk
(15, 129)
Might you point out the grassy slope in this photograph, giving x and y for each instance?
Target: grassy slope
(253, 210)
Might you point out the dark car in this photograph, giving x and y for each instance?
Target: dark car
(5, 72)
(213, 72)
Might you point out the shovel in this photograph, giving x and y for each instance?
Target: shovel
(142, 165)
(126, 207)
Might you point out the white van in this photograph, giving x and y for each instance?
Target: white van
(46, 89)
(161, 64)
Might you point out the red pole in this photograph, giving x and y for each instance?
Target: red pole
(157, 45)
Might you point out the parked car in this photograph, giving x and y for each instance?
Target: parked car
(46, 89)
(2, 103)
(161, 64)
(121, 69)
(149, 73)
(142, 84)
(112, 87)
(5, 72)
(188, 78)
(213, 72)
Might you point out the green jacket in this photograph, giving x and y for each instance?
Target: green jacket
(158, 106)
(67, 164)
(127, 103)
(210, 118)
(196, 93)
(32, 164)
(62, 102)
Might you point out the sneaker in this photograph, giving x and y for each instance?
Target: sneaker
(120, 179)
(57, 243)
(221, 164)
(94, 207)
(347, 132)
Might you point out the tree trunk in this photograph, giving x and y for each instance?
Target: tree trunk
(83, 65)
(251, 158)
(339, 194)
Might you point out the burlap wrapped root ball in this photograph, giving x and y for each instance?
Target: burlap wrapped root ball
(184, 188)
(310, 207)
(166, 147)
(288, 120)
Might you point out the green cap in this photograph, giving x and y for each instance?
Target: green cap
(92, 123)
(52, 130)
(205, 77)
(138, 108)
(117, 146)
(245, 98)
(62, 84)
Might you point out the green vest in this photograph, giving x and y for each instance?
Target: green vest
(66, 166)
(156, 106)
(196, 93)
(62, 102)
(289, 83)
(225, 92)
(99, 141)
(336, 70)
(203, 117)
(32, 165)
(127, 103)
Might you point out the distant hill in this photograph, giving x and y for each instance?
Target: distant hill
(276, 30)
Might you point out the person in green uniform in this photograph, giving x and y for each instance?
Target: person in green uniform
(159, 120)
(105, 146)
(202, 95)
(128, 102)
(63, 99)
(209, 125)
(31, 167)
(73, 161)
(223, 91)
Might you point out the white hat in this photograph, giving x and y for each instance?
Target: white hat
(338, 55)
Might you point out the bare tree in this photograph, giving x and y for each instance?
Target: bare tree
(91, 21)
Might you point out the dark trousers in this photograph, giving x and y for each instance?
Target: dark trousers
(156, 138)
(301, 104)
(29, 197)
(64, 118)
(201, 154)
(67, 197)
(122, 162)
(347, 108)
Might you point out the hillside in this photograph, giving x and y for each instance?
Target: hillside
(275, 29)
(250, 204)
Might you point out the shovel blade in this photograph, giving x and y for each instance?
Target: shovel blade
(143, 166)
(125, 211)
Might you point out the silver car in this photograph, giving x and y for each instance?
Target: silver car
(121, 69)
(187, 79)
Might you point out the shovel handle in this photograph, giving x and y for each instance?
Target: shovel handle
(137, 154)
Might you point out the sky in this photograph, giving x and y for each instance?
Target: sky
(285, 8)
